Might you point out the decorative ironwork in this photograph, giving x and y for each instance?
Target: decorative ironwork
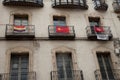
(93, 35)
(70, 4)
(115, 73)
(32, 3)
(27, 76)
(29, 32)
(116, 6)
(76, 75)
(100, 5)
(53, 34)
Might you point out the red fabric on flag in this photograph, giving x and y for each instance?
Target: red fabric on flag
(62, 29)
(98, 29)
(19, 28)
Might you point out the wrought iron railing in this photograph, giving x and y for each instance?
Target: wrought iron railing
(113, 74)
(116, 6)
(29, 29)
(33, 3)
(73, 75)
(52, 29)
(18, 76)
(91, 31)
(99, 5)
(70, 3)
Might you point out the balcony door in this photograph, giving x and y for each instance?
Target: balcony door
(105, 66)
(20, 20)
(20, 23)
(64, 66)
(19, 67)
(94, 22)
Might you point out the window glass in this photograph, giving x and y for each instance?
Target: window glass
(59, 21)
(20, 19)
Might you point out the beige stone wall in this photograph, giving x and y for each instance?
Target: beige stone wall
(42, 58)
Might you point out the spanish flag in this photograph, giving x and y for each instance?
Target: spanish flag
(19, 28)
(62, 29)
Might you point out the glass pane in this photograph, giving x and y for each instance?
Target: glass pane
(24, 22)
(14, 77)
(24, 77)
(17, 22)
(24, 65)
(102, 68)
(108, 67)
(59, 21)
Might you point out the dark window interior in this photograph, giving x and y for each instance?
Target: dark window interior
(59, 20)
(20, 19)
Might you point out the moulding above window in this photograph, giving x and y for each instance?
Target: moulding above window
(103, 50)
(64, 50)
(94, 15)
(19, 50)
(20, 12)
(63, 14)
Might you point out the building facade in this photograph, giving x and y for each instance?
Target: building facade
(59, 40)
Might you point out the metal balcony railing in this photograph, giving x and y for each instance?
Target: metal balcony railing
(73, 75)
(18, 76)
(53, 33)
(32, 3)
(116, 6)
(113, 74)
(28, 31)
(70, 4)
(91, 33)
(99, 5)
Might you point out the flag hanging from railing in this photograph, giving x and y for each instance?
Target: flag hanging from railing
(62, 29)
(19, 28)
(100, 33)
(98, 29)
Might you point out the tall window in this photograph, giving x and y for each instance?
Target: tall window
(105, 66)
(19, 67)
(64, 66)
(59, 20)
(20, 19)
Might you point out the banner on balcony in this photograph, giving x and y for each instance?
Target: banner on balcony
(102, 37)
(62, 29)
(19, 28)
(98, 29)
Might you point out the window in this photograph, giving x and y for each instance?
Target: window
(59, 20)
(64, 66)
(19, 67)
(105, 66)
(20, 20)
(94, 22)
(0, 77)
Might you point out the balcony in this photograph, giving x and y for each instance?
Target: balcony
(79, 4)
(61, 32)
(29, 3)
(100, 6)
(104, 34)
(107, 75)
(116, 6)
(74, 75)
(21, 76)
(20, 32)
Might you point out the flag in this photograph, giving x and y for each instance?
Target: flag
(98, 29)
(102, 36)
(62, 29)
(19, 28)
